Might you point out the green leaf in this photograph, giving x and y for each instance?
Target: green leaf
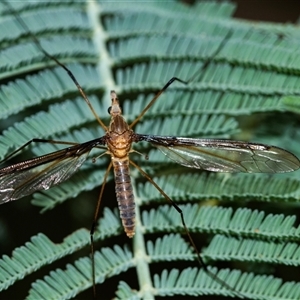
(243, 83)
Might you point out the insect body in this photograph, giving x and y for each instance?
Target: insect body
(41, 173)
(119, 138)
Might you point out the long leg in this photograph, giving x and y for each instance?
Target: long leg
(206, 63)
(36, 141)
(93, 228)
(179, 210)
(39, 46)
(155, 98)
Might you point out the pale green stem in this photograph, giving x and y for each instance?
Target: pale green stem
(140, 256)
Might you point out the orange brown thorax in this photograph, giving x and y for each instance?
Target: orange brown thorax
(119, 135)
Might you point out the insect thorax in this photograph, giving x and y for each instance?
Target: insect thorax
(119, 137)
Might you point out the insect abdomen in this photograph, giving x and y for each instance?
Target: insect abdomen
(124, 195)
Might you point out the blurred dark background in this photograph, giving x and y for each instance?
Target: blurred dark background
(283, 11)
(267, 10)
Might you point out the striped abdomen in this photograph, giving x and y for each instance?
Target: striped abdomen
(125, 196)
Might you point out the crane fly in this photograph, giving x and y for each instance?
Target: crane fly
(40, 173)
(43, 172)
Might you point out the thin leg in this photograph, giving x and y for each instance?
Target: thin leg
(37, 141)
(199, 258)
(93, 228)
(39, 46)
(155, 98)
(206, 63)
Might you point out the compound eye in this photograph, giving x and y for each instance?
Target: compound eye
(109, 109)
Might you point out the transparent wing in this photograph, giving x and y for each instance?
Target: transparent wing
(42, 172)
(224, 155)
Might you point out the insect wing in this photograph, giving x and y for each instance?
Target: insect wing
(40, 173)
(225, 155)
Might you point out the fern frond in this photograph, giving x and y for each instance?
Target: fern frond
(223, 187)
(170, 247)
(203, 102)
(66, 284)
(84, 180)
(40, 250)
(225, 248)
(194, 283)
(292, 103)
(248, 89)
(126, 292)
(44, 86)
(243, 222)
